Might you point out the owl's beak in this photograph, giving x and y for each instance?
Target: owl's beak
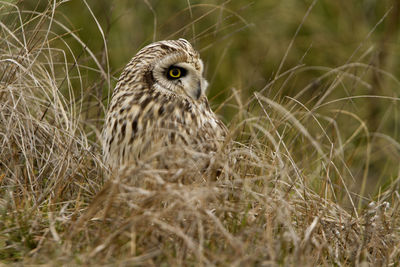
(195, 87)
(198, 90)
(202, 87)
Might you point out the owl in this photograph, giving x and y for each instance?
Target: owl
(159, 104)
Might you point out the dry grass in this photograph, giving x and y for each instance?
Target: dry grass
(293, 189)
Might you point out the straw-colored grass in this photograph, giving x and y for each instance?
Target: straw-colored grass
(304, 180)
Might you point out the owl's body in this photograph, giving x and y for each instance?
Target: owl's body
(159, 103)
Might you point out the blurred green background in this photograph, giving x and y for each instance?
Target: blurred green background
(341, 49)
(243, 42)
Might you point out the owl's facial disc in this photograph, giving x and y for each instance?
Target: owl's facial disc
(181, 74)
(187, 77)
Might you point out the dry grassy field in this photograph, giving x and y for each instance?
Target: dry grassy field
(308, 89)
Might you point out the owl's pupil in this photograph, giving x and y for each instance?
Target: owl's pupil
(174, 73)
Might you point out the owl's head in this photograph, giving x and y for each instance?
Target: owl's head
(171, 66)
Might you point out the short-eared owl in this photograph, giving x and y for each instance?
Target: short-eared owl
(159, 102)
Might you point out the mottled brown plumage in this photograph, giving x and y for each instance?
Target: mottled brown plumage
(152, 110)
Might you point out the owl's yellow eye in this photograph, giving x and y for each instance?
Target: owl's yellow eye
(175, 73)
